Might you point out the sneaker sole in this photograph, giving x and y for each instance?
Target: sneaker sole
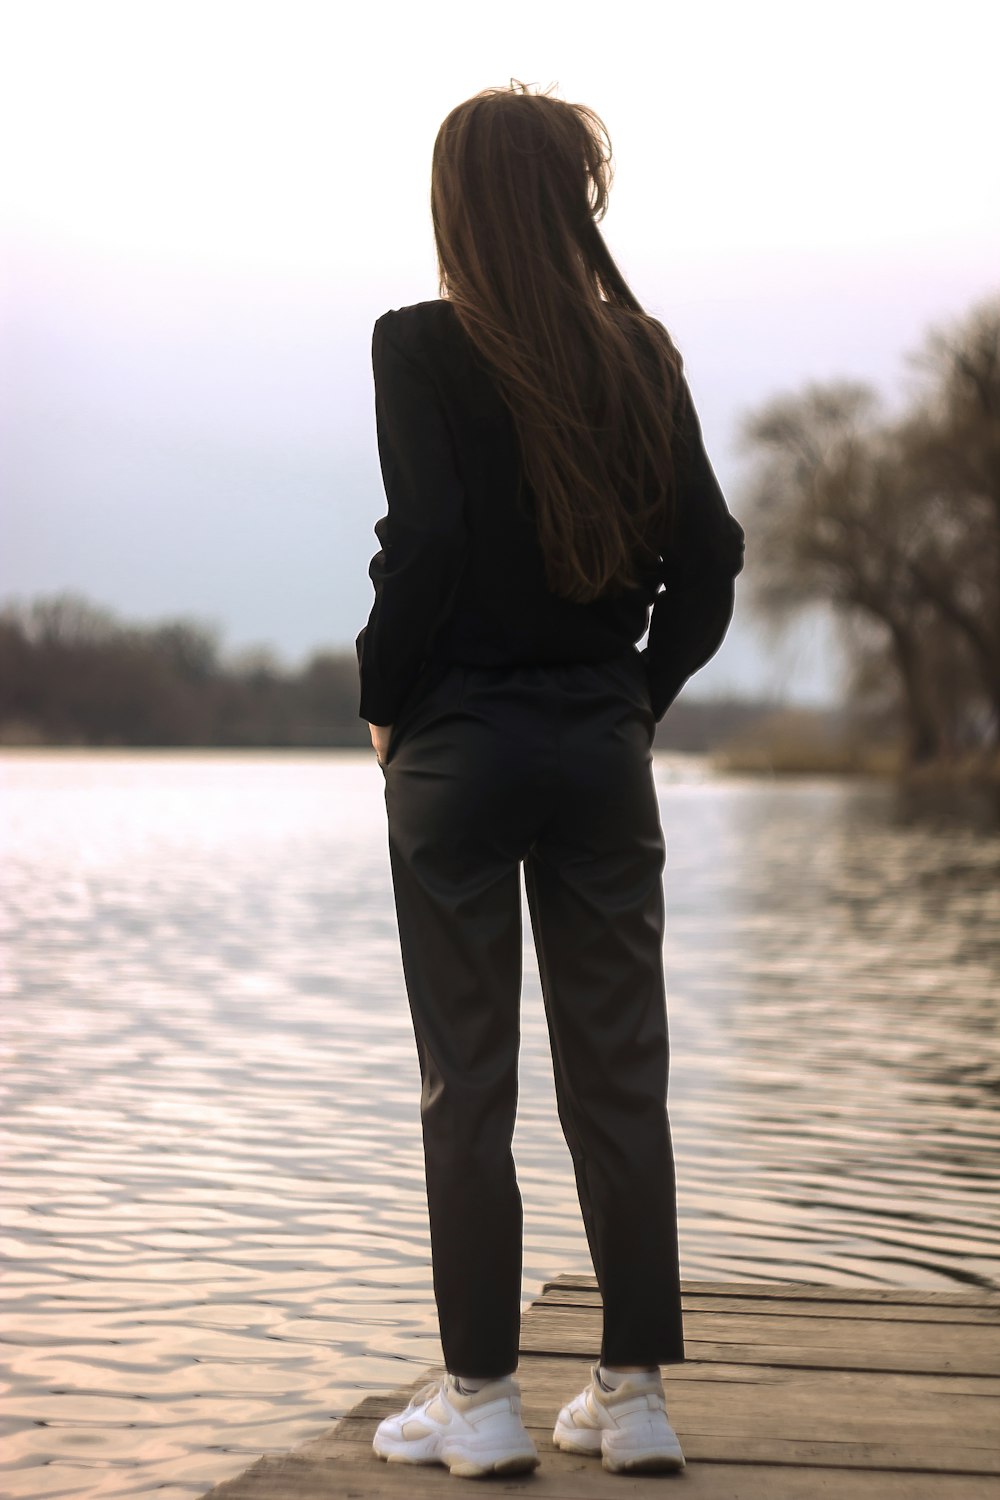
(577, 1440)
(466, 1466)
(651, 1461)
(514, 1463)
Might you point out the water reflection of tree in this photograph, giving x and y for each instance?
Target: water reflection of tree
(894, 523)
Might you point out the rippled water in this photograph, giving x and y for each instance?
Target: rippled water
(214, 1223)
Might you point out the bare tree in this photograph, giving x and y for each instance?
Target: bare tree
(949, 447)
(825, 508)
(896, 523)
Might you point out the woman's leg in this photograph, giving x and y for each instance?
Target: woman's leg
(454, 808)
(595, 894)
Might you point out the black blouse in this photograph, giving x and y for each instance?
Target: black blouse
(460, 573)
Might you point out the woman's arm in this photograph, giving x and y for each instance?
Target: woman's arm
(691, 615)
(422, 535)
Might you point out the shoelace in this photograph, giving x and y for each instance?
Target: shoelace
(425, 1393)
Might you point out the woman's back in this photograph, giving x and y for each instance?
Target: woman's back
(460, 546)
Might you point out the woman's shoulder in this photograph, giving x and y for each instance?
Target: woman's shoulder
(421, 329)
(425, 330)
(437, 313)
(432, 307)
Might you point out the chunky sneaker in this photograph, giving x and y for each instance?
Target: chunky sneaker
(628, 1426)
(471, 1433)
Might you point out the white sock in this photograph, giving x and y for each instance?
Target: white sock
(466, 1384)
(612, 1379)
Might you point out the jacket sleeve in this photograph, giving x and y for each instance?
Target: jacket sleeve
(691, 614)
(422, 534)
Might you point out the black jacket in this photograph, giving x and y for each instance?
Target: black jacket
(460, 574)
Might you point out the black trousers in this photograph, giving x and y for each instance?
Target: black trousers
(550, 766)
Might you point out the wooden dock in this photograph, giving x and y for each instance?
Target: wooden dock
(789, 1392)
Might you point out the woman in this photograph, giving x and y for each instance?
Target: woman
(545, 478)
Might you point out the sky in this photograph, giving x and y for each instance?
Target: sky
(204, 208)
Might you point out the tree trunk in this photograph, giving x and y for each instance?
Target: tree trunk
(923, 739)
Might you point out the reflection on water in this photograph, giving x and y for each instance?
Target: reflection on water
(214, 1218)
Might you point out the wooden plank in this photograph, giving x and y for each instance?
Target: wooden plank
(805, 1290)
(939, 1451)
(863, 1344)
(563, 1477)
(720, 1449)
(866, 1421)
(903, 1312)
(722, 1465)
(553, 1376)
(789, 1392)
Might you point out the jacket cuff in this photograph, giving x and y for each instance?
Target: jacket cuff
(374, 708)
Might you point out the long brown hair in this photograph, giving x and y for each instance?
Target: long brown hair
(519, 183)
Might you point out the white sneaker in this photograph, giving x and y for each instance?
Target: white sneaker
(472, 1434)
(628, 1426)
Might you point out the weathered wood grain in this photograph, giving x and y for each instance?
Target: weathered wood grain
(789, 1392)
(805, 1291)
(857, 1344)
(779, 1417)
(902, 1312)
(562, 1477)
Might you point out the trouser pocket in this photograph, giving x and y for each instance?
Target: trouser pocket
(629, 670)
(438, 695)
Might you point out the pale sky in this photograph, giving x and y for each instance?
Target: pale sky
(205, 206)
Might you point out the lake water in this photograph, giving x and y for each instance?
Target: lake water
(214, 1222)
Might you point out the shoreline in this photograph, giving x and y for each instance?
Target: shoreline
(882, 762)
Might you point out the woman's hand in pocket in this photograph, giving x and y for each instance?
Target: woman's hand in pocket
(380, 739)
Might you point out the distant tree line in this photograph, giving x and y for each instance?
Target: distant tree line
(894, 524)
(72, 673)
